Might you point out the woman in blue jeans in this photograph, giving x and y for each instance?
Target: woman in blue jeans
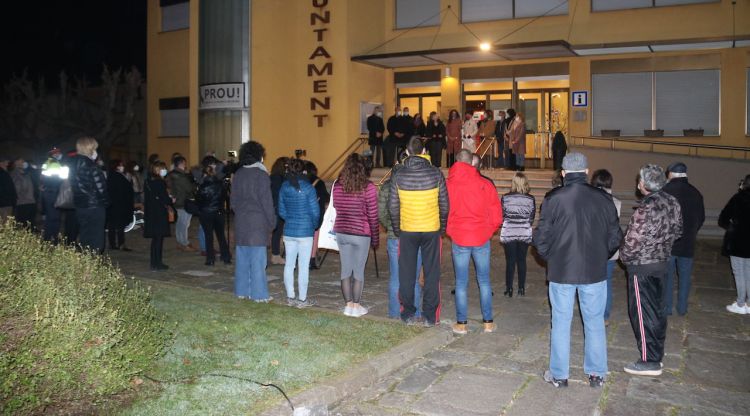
(298, 206)
(254, 220)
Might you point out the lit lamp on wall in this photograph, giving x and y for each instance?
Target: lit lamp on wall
(447, 72)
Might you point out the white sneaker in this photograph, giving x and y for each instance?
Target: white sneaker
(359, 311)
(349, 311)
(734, 308)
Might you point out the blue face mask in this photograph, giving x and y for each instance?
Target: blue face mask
(163, 173)
(25, 165)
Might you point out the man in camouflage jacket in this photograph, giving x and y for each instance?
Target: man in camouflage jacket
(653, 229)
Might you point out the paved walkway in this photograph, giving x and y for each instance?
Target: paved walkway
(707, 362)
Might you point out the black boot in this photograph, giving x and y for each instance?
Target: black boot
(508, 292)
(521, 291)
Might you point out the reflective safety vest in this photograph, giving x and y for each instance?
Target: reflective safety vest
(53, 168)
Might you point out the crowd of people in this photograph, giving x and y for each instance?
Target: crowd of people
(578, 232)
(507, 132)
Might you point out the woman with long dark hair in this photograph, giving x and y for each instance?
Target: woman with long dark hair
(298, 206)
(356, 201)
(156, 206)
(211, 199)
(419, 126)
(435, 133)
(453, 132)
(279, 171)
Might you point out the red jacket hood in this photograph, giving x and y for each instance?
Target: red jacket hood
(475, 211)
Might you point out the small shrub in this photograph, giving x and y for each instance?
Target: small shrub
(74, 329)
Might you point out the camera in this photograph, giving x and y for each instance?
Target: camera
(300, 153)
(232, 153)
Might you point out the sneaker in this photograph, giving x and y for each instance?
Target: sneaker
(301, 304)
(266, 300)
(291, 302)
(426, 324)
(559, 383)
(359, 311)
(735, 308)
(642, 368)
(489, 327)
(595, 381)
(412, 321)
(241, 297)
(460, 329)
(349, 311)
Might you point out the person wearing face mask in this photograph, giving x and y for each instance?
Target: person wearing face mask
(394, 135)
(453, 135)
(120, 210)
(133, 170)
(419, 127)
(435, 133)
(497, 154)
(90, 196)
(53, 174)
(469, 133)
(156, 204)
(25, 211)
(375, 129)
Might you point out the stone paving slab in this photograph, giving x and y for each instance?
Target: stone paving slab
(688, 396)
(538, 399)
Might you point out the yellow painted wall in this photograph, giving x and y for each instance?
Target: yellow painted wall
(167, 57)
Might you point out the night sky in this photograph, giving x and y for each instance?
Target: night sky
(76, 35)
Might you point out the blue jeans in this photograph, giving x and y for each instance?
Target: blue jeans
(610, 270)
(394, 304)
(250, 272)
(481, 256)
(684, 268)
(592, 299)
(299, 249)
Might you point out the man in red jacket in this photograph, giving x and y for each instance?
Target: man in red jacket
(474, 216)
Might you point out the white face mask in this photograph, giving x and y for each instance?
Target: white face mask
(379, 114)
(136, 168)
(94, 155)
(57, 156)
(163, 173)
(398, 113)
(25, 165)
(121, 169)
(406, 113)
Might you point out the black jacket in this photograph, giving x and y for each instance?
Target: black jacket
(120, 210)
(88, 183)
(155, 202)
(393, 124)
(578, 232)
(375, 125)
(212, 195)
(435, 135)
(735, 218)
(693, 214)
(7, 189)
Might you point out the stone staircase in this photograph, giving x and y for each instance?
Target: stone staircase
(540, 181)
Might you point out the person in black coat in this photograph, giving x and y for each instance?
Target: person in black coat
(90, 195)
(559, 149)
(7, 190)
(693, 216)
(156, 203)
(735, 218)
(120, 210)
(394, 135)
(323, 199)
(375, 129)
(212, 200)
(278, 173)
(435, 133)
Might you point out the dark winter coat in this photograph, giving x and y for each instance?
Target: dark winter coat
(559, 149)
(88, 183)
(181, 186)
(7, 189)
(693, 214)
(155, 202)
(276, 182)
(212, 195)
(519, 211)
(120, 210)
(251, 200)
(578, 231)
(299, 208)
(323, 196)
(735, 218)
(435, 135)
(375, 125)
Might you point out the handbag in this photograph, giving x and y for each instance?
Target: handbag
(327, 237)
(64, 198)
(171, 214)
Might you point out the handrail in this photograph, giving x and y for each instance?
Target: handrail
(487, 149)
(696, 146)
(336, 164)
(385, 177)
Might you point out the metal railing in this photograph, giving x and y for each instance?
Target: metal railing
(338, 163)
(693, 149)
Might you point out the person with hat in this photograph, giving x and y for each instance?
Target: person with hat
(578, 232)
(53, 174)
(8, 195)
(681, 260)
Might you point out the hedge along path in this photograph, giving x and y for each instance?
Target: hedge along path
(79, 331)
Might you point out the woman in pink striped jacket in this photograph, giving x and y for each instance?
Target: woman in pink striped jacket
(356, 201)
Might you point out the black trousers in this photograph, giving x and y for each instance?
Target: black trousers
(71, 225)
(645, 288)
(377, 154)
(213, 223)
(91, 228)
(515, 256)
(116, 237)
(431, 246)
(26, 215)
(278, 232)
(52, 217)
(436, 153)
(157, 246)
(389, 151)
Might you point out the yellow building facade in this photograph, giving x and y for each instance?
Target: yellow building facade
(313, 66)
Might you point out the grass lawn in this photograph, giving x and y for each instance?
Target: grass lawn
(217, 333)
